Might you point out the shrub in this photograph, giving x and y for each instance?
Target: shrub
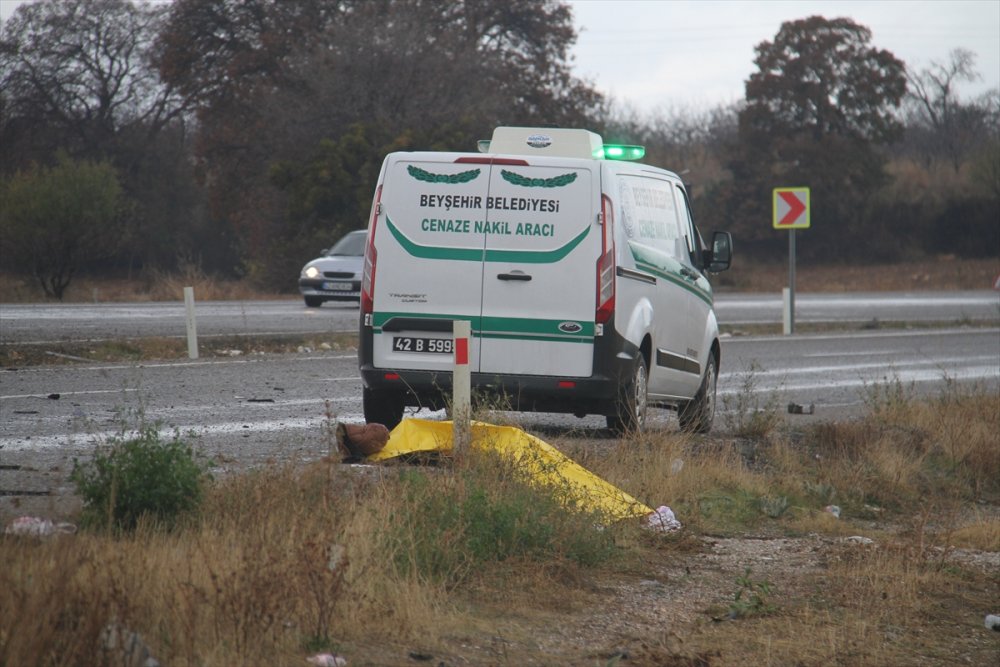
(448, 525)
(140, 475)
(751, 413)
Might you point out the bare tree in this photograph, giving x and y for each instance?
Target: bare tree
(79, 77)
(79, 74)
(941, 126)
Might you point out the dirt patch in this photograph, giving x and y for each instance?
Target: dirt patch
(679, 611)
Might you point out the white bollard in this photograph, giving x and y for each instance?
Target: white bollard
(461, 388)
(192, 329)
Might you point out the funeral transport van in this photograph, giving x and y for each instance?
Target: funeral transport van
(581, 273)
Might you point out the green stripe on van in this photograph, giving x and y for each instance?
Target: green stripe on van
(476, 254)
(518, 328)
(666, 267)
(523, 327)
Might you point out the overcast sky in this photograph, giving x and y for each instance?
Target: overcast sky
(686, 55)
(691, 55)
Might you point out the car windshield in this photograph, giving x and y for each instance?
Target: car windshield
(352, 244)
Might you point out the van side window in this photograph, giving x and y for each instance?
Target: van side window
(649, 213)
(691, 236)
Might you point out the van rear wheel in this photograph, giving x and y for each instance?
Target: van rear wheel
(382, 407)
(697, 415)
(632, 404)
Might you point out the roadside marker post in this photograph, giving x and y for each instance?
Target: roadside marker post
(791, 212)
(461, 388)
(192, 328)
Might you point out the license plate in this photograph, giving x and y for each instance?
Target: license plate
(337, 287)
(423, 345)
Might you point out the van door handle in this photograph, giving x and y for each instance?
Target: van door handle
(514, 275)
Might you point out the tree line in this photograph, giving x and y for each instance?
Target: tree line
(242, 136)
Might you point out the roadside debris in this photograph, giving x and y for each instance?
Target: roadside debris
(796, 409)
(326, 660)
(37, 527)
(67, 356)
(663, 520)
(832, 509)
(993, 622)
(125, 647)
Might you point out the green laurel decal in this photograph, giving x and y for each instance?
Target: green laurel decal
(461, 177)
(554, 182)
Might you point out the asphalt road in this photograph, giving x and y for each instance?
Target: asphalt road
(21, 323)
(253, 408)
(256, 410)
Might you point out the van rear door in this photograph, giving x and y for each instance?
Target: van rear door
(542, 241)
(429, 259)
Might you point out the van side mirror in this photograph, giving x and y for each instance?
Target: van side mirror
(717, 258)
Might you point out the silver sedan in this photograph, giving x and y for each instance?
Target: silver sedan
(336, 276)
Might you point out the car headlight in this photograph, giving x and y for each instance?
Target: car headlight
(310, 272)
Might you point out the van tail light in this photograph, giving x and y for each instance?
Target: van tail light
(371, 258)
(606, 265)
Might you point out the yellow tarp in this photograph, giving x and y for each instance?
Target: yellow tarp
(543, 462)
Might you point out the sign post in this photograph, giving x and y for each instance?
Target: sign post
(791, 212)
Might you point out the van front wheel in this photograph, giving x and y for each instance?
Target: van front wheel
(382, 408)
(697, 415)
(632, 404)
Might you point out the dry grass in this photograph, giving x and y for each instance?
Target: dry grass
(370, 562)
(144, 286)
(933, 273)
(946, 272)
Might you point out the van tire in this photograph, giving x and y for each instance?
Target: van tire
(632, 404)
(697, 415)
(313, 301)
(382, 408)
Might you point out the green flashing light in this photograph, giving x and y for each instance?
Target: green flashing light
(623, 152)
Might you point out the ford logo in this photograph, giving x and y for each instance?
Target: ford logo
(539, 141)
(570, 327)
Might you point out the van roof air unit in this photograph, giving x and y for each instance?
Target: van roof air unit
(549, 141)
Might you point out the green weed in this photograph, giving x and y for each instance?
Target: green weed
(751, 413)
(133, 476)
(751, 597)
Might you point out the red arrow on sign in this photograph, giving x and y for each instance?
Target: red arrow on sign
(795, 208)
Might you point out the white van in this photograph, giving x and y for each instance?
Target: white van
(583, 278)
